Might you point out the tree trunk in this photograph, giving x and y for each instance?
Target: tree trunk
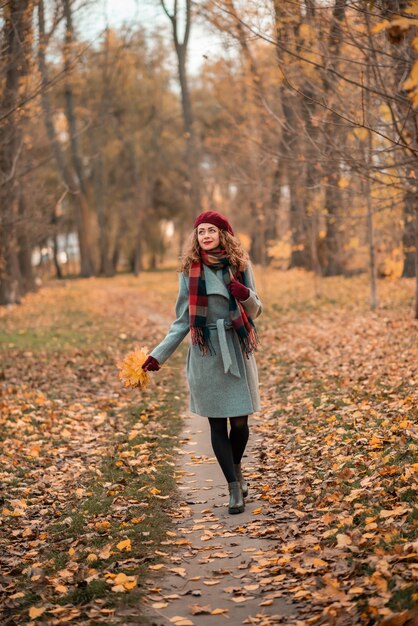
(405, 57)
(311, 174)
(191, 149)
(416, 263)
(370, 218)
(57, 265)
(106, 266)
(272, 212)
(25, 248)
(100, 187)
(300, 255)
(137, 265)
(16, 42)
(289, 147)
(332, 242)
(192, 158)
(83, 213)
(408, 236)
(70, 179)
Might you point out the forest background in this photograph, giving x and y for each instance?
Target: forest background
(300, 124)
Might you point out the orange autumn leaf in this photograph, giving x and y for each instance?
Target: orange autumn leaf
(36, 611)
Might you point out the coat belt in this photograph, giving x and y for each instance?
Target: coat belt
(226, 343)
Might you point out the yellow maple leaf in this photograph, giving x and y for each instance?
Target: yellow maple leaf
(131, 371)
(122, 582)
(124, 545)
(130, 584)
(103, 525)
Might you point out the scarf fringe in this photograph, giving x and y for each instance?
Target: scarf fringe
(201, 337)
(249, 342)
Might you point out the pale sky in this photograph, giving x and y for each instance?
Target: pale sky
(149, 14)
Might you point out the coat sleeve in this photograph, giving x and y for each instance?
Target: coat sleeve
(179, 328)
(252, 305)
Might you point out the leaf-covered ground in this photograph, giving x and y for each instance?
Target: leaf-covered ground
(338, 462)
(88, 468)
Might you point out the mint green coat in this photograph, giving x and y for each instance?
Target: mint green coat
(224, 384)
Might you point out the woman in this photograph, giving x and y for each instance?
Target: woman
(217, 302)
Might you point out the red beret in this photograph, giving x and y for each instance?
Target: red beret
(212, 217)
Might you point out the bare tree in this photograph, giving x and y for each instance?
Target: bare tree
(71, 175)
(181, 46)
(83, 213)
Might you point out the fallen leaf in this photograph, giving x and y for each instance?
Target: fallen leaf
(36, 611)
(124, 545)
(400, 510)
(181, 621)
(180, 571)
(197, 609)
(211, 582)
(343, 540)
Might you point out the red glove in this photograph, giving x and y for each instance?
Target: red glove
(238, 290)
(151, 365)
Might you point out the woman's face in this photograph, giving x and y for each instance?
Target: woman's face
(208, 236)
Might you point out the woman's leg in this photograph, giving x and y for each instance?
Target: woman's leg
(238, 436)
(222, 446)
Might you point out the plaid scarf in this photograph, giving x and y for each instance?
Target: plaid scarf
(198, 303)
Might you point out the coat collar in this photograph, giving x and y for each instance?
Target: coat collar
(215, 283)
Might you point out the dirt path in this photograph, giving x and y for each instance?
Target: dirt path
(216, 571)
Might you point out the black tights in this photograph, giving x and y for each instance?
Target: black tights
(229, 449)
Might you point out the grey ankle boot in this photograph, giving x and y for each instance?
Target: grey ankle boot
(236, 500)
(241, 479)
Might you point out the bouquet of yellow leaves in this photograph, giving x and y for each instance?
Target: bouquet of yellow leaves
(131, 371)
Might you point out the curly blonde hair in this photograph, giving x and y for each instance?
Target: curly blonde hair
(238, 257)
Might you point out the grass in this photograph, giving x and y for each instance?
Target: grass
(404, 598)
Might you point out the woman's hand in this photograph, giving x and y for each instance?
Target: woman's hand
(150, 365)
(238, 290)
